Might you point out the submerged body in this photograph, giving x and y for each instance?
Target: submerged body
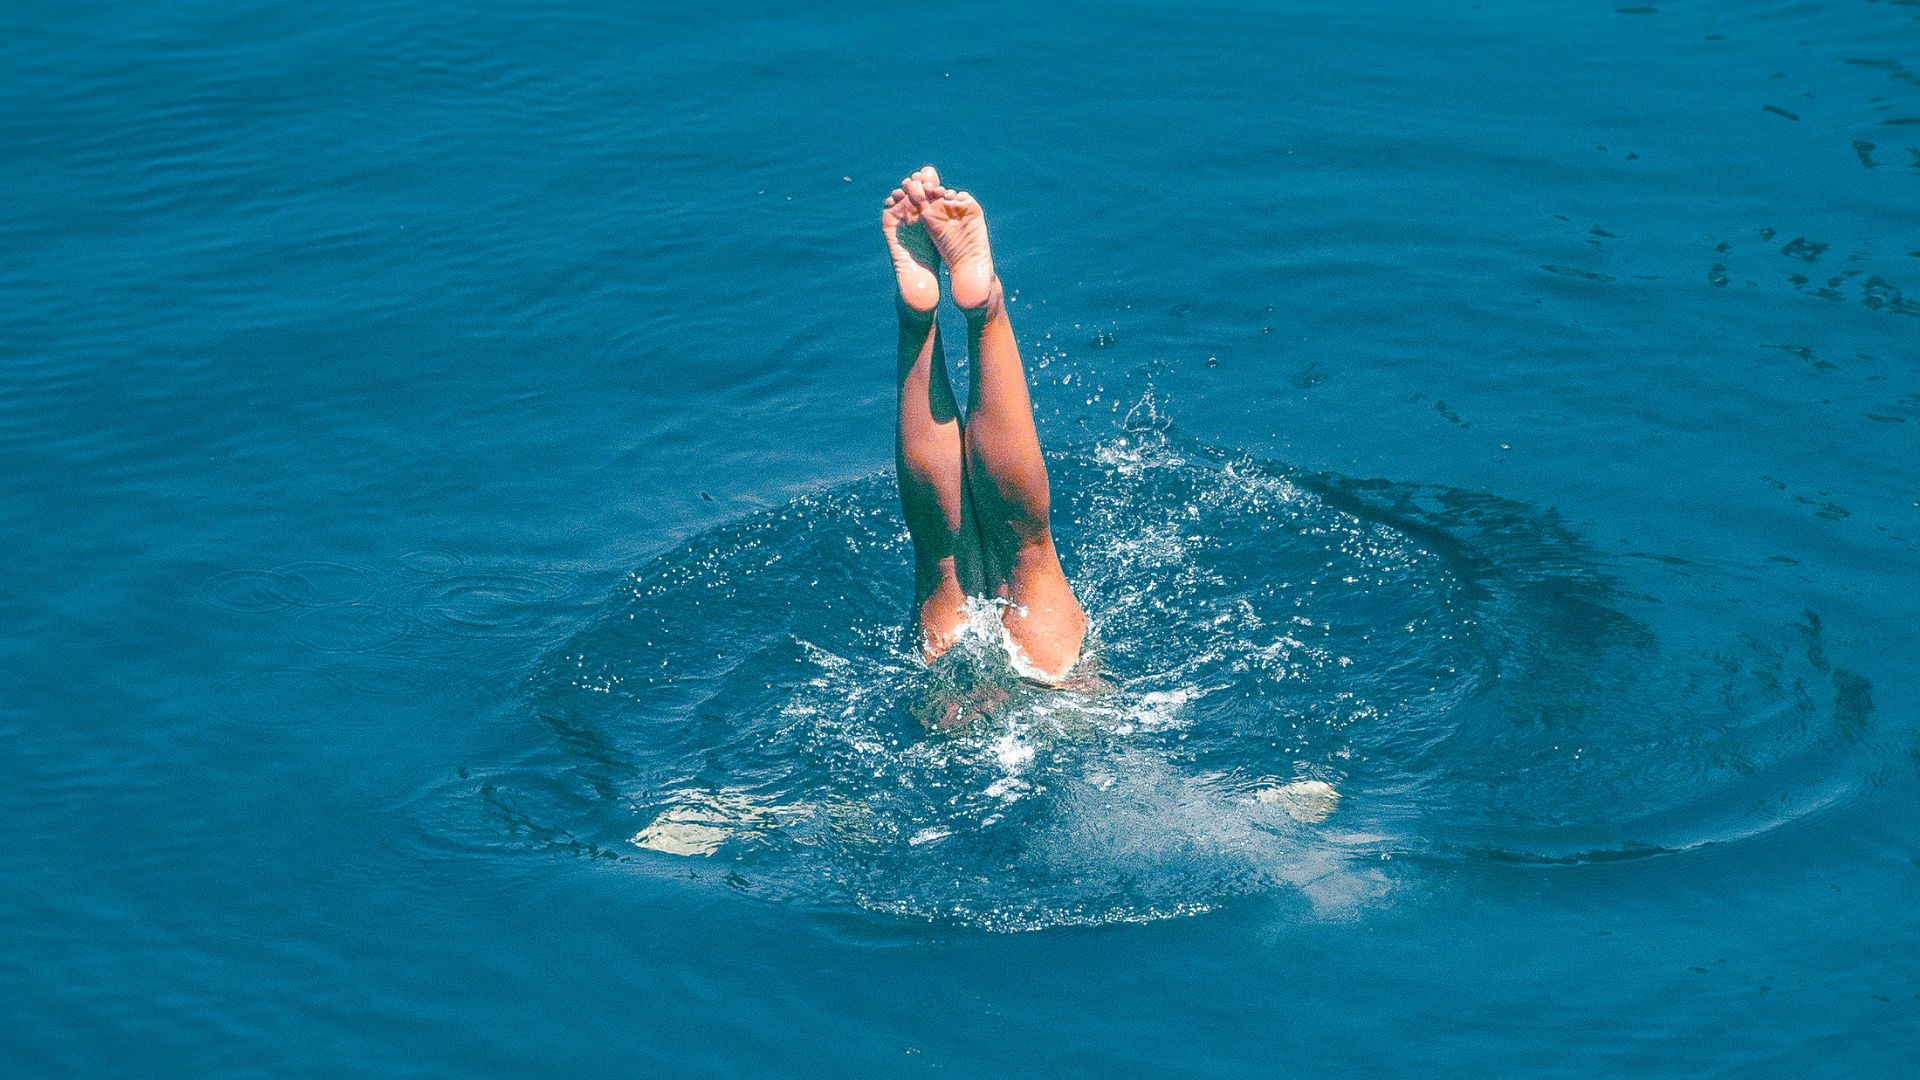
(973, 487)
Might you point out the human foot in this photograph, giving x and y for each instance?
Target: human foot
(916, 265)
(959, 231)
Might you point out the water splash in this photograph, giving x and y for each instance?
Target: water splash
(1300, 680)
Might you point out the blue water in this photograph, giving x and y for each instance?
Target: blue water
(447, 450)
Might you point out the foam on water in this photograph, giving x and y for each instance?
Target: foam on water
(1295, 682)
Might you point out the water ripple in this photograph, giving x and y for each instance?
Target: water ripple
(1301, 681)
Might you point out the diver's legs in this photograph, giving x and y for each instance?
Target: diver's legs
(1006, 476)
(928, 443)
(927, 459)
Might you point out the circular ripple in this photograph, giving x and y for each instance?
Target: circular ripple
(433, 561)
(321, 582)
(309, 583)
(492, 603)
(1301, 680)
(251, 592)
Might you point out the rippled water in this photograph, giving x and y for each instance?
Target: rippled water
(456, 601)
(1439, 674)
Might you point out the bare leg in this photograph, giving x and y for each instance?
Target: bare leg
(1006, 477)
(929, 443)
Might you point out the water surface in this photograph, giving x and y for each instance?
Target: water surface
(446, 443)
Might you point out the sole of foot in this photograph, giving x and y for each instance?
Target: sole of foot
(916, 261)
(959, 230)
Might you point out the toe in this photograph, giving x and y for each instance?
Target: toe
(916, 192)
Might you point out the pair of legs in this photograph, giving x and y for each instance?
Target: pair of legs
(974, 489)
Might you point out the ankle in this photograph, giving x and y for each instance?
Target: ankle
(912, 318)
(993, 307)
